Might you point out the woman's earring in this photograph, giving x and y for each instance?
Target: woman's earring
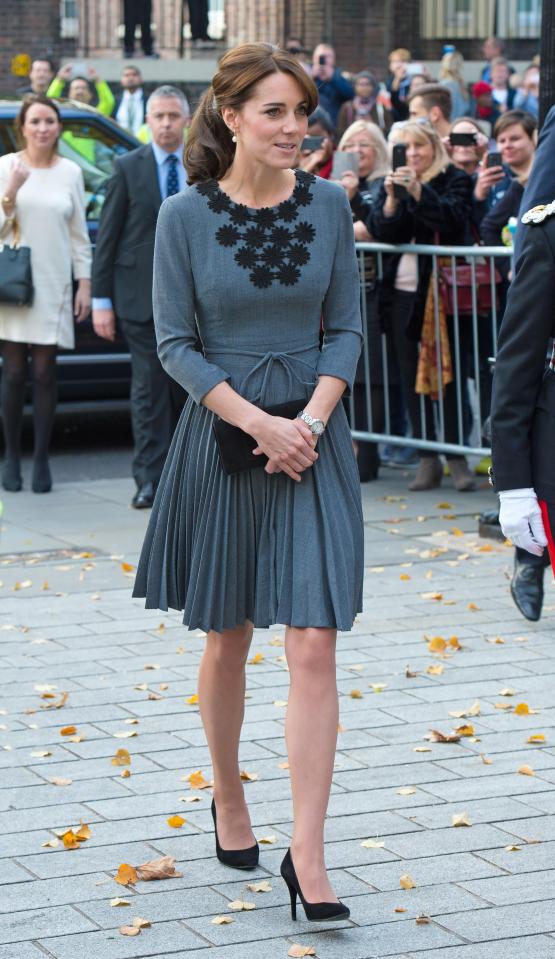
(234, 139)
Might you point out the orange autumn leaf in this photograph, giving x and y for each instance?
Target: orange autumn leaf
(523, 709)
(70, 840)
(121, 758)
(127, 567)
(404, 576)
(437, 644)
(472, 607)
(176, 822)
(83, 832)
(526, 771)
(465, 730)
(196, 780)
(536, 738)
(454, 642)
(68, 731)
(126, 875)
(257, 658)
(355, 694)
(129, 930)
(192, 700)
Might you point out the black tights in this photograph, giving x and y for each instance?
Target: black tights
(14, 373)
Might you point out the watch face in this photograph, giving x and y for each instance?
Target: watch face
(317, 427)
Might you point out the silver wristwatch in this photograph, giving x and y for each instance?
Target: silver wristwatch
(316, 426)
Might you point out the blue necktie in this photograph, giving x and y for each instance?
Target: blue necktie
(172, 182)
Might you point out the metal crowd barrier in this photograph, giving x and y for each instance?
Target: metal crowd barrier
(473, 393)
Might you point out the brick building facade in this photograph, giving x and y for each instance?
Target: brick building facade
(362, 31)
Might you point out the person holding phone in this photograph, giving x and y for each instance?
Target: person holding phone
(516, 135)
(466, 144)
(424, 199)
(333, 88)
(316, 150)
(364, 148)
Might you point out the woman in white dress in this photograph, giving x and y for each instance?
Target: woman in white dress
(44, 193)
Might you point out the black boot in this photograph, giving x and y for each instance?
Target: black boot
(527, 587)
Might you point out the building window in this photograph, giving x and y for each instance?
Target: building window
(69, 19)
(477, 19)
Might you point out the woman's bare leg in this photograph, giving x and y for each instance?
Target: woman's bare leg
(311, 736)
(221, 691)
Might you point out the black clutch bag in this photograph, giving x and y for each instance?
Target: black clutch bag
(16, 279)
(235, 446)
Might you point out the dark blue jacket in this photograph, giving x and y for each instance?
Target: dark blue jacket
(541, 182)
(332, 93)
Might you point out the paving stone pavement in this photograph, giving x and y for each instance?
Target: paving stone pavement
(68, 625)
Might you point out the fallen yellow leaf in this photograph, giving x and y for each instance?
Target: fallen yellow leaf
(522, 709)
(355, 694)
(526, 771)
(196, 780)
(248, 777)
(437, 644)
(263, 886)
(221, 920)
(536, 738)
(140, 923)
(407, 882)
(119, 902)
(70, 840)
(121, 758)
(239, 905)
(268, 840)
(373, 844)
(68, 730)
(257, 658)
(126, 875)
(406, 791)
(298, 952)
(435, 670)
(129, 931)
(176, 822)
(127, 567)
(460, 819)
(192, 700)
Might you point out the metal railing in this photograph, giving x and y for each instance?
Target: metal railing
(384, 406)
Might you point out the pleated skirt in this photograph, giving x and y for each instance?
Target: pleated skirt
(255, 546)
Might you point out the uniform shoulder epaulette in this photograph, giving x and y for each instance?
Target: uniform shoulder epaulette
(539, 213)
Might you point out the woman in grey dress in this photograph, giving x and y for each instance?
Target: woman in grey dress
(260, 255)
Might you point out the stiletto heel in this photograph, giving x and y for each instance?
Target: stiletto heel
(293, 895)
(314, 911)
(236, 858)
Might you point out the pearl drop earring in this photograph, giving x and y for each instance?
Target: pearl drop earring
(234, 139)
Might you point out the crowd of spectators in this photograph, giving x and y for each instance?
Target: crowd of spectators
(465, 150)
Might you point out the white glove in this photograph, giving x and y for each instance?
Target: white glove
(521, 519)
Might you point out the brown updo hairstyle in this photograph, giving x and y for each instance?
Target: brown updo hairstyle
(210, 151)
(29, 101)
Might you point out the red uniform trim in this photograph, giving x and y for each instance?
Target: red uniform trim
(548, 532)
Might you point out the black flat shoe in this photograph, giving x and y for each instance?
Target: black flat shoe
(314, 911)
(11, 476)
(144, 497)
(527, 589)
(236, 858)
(42, 477)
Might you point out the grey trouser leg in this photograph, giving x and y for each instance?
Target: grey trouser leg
(155, 403)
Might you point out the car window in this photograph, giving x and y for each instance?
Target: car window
(94, 148)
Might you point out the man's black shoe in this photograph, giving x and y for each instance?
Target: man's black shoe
(144, 497)
(527, 589)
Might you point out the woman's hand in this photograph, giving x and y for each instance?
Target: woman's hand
(288, 444)
(407, 178)
(349, 181)
(19, 173)
(82, 303)
(487, 177)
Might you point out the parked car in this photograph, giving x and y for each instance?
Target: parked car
(96, 369)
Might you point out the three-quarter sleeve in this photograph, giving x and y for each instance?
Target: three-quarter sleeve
(81, 251)
(341, 306)
(173, 297)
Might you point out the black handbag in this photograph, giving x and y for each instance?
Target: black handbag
(236, 447)
(16, 277)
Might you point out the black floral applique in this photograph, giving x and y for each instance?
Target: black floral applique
(272, 243)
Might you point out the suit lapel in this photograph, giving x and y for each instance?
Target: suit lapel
(150, 176)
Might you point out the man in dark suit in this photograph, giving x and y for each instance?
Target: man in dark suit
(130, 106)
(122, 279)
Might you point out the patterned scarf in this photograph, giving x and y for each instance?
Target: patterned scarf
(427, 373)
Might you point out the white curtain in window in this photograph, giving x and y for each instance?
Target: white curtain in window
(457, 19)
(519, 18)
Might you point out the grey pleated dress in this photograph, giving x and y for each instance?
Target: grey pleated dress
(255, 286)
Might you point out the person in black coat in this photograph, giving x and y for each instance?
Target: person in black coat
(122, 280)
(435, 208)
(520, 457)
